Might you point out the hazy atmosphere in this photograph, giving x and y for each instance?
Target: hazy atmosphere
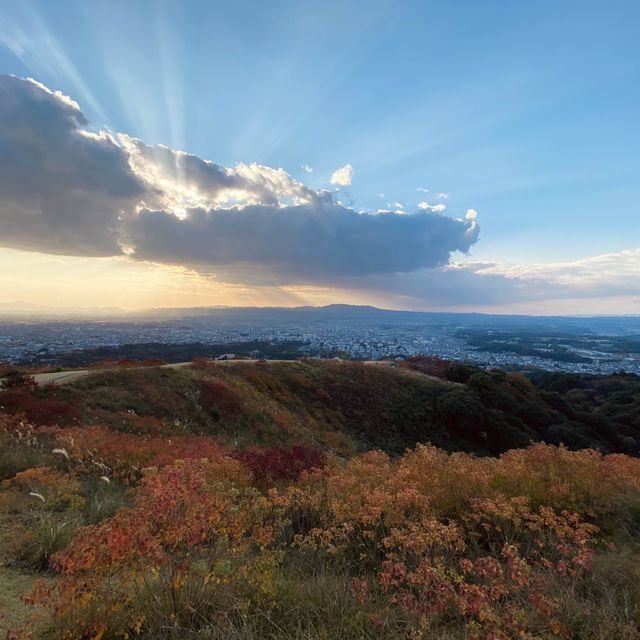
(411, 155)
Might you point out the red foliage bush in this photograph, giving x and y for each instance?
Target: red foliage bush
(281, 463)
(39, 411)
(49, 412)
(14, 400)
(216, 396)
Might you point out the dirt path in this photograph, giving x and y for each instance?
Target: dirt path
(65, 377)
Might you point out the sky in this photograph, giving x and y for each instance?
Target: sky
(428, 155)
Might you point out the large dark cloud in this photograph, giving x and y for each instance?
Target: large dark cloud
(309, 242)
(66, 189)
(62, 190)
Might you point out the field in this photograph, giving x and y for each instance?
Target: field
(316, 500)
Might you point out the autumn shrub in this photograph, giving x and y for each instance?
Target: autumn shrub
(202, 362)
(605, 486)
(142, 425)
(47, 411)
(218, 399)
(38, 410)
(426, 545)
(192, 530)
(14, 378)
(42, 505)
(13, 400)
(432, 534)
(124, 363)
(273, 464)
(125, 455)
(41, 487)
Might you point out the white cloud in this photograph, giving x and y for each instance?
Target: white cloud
(178, 181)
(471, 214)
(307, 168)
(423, 189)
(435, 208)
(607, 273)
(342, 176)
(443, 195)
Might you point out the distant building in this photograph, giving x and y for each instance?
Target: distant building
(226, 356)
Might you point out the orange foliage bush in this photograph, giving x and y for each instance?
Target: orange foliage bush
(41, 488)
(481, 545)
(457, 536)
(193, 527)
(126, 455)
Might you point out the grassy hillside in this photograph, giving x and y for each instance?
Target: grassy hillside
(295, 500)
(347, 406)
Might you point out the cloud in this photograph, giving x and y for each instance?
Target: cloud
(517, 288)
(302, 243)
(451, 286)
(342, 176)
(181, 180)
(423, 190)
(68, 189)
(435, 208)
(62, 188)
(443, 195)
(307, 168)
(609, 274)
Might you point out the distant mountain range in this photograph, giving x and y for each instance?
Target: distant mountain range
(332, 313)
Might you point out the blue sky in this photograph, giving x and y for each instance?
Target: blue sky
(526, 112)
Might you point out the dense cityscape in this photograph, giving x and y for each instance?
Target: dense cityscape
(349, 332)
